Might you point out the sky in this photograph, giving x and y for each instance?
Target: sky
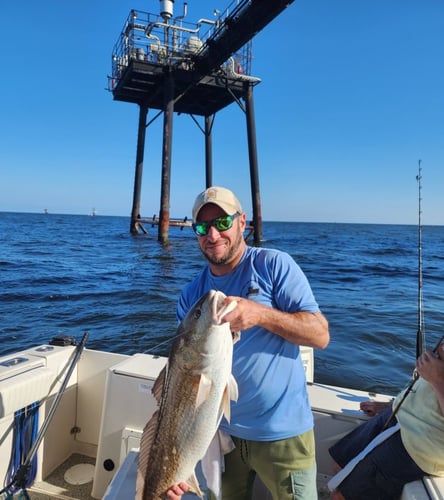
(351, 98)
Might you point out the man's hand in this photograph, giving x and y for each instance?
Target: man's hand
(177, 490)
(302, 327)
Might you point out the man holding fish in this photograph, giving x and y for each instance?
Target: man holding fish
(271, 423)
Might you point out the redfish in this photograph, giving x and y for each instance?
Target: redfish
(193, 392)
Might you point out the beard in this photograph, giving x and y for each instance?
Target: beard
(229, 255)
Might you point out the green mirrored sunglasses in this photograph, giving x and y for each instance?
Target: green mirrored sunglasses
(222, 223)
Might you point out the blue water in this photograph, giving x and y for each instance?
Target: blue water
(67, 274)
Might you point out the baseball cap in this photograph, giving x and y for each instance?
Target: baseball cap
(220, 196)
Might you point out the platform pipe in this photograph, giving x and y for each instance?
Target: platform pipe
(175, 28)
(209, 150)
(164, 215)
(232, 73)
(135, 212)
(254, 172)
(159, 24)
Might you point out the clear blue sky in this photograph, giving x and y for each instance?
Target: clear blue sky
(352, 96)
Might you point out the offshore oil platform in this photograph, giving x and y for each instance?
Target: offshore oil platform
(163, 62)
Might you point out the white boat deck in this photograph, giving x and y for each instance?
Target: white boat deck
(104, 408)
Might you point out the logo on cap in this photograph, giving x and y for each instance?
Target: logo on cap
(210, 195)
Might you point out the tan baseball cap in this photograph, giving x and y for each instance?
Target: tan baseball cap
(220, 196)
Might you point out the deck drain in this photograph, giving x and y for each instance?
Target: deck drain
(79, 474)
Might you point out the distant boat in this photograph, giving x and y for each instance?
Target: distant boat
(94, 212)
(46, 211)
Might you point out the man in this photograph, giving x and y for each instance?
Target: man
(271, 423)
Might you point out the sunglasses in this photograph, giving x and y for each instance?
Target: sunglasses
(222, 223)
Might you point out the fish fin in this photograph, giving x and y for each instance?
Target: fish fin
(231, 393)
(234, 391)
(146, 441)
(159, 384)
(140, 485)
(193, 483)
(225, 404)
(203, 390)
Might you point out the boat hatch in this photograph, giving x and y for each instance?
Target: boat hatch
(10, 366)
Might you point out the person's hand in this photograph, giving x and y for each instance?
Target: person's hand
(177, 490)
(300, 327)
(372, 408)
(431, 367)
(245, 315)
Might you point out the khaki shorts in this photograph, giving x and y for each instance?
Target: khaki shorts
(287, 468)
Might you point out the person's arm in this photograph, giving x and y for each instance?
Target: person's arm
(372, 408)
(303, 328)
(431, 368)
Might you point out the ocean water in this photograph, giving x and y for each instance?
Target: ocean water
(67, 274)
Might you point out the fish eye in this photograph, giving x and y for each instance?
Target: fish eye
(197, 313)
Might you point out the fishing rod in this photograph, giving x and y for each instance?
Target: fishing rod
(420, 331)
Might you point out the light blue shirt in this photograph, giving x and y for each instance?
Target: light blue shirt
(273, 401)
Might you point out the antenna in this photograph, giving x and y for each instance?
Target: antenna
(420, 332)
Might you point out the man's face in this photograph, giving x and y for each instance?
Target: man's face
(221, 248)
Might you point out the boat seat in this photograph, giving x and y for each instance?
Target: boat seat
(428, 487)
(123, 484)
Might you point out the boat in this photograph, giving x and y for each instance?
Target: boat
(93, 405)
